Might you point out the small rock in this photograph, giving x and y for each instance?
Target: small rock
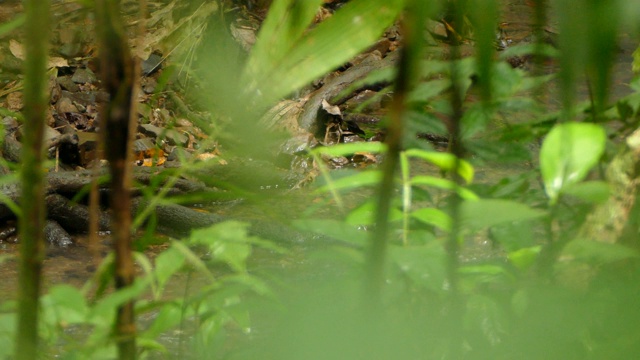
(84, 76)
(152, 64)
(67, 84)
(65, 105)
(10, 123)
(149, 85)
(150, 130)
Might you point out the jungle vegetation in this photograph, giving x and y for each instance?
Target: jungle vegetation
(540, 260)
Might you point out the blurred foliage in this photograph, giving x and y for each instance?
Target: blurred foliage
(530, 283)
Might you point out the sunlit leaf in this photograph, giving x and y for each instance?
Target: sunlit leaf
(351, 148)
(568, 153)
(284, 25)
(435, 217)
(525, 257)
(352, 28)
(365, 214)
(445, 161)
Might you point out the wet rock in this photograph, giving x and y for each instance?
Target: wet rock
(151, 130)
(178, 154)
(54, 234)
(10, 123)
(67, 84)
(84, 76)
(84, 98)
(65, 105)
(171, 136)
(152, 64)
(148, 85)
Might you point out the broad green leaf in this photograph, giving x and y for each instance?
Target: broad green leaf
(365, 214)
(351, 148)
(433, 217)
(280, 31)
(106, 307)
(66, 303)
(167, 264)
(590, 191)
(568, 153)
(445, 161)
(488, 212)
(228, 242)
(168, 317)
(352, 29)
(444, 184)
(525, 257)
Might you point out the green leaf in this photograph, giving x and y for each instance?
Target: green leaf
(568, 153)
(444, 161)
(67, 303)
(353, 28)
(357, 180)
(435, 217)
(598, 252)
(228, 242)
(488, 212)
(351, 148)
(365, 214)
(525, 257)
(167, 264)
(10, 25)
(280, 31)
(590, 191)
(167, 318)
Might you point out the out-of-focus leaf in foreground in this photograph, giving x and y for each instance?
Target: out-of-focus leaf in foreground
(277, 68)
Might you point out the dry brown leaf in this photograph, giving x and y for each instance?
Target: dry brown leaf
(57, 62)
(331, 109)
(16, 49)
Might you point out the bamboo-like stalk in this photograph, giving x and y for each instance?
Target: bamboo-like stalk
(117, 67)
(32, 220)
(405, 80)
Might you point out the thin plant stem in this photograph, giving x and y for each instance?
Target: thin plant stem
(31, 223)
